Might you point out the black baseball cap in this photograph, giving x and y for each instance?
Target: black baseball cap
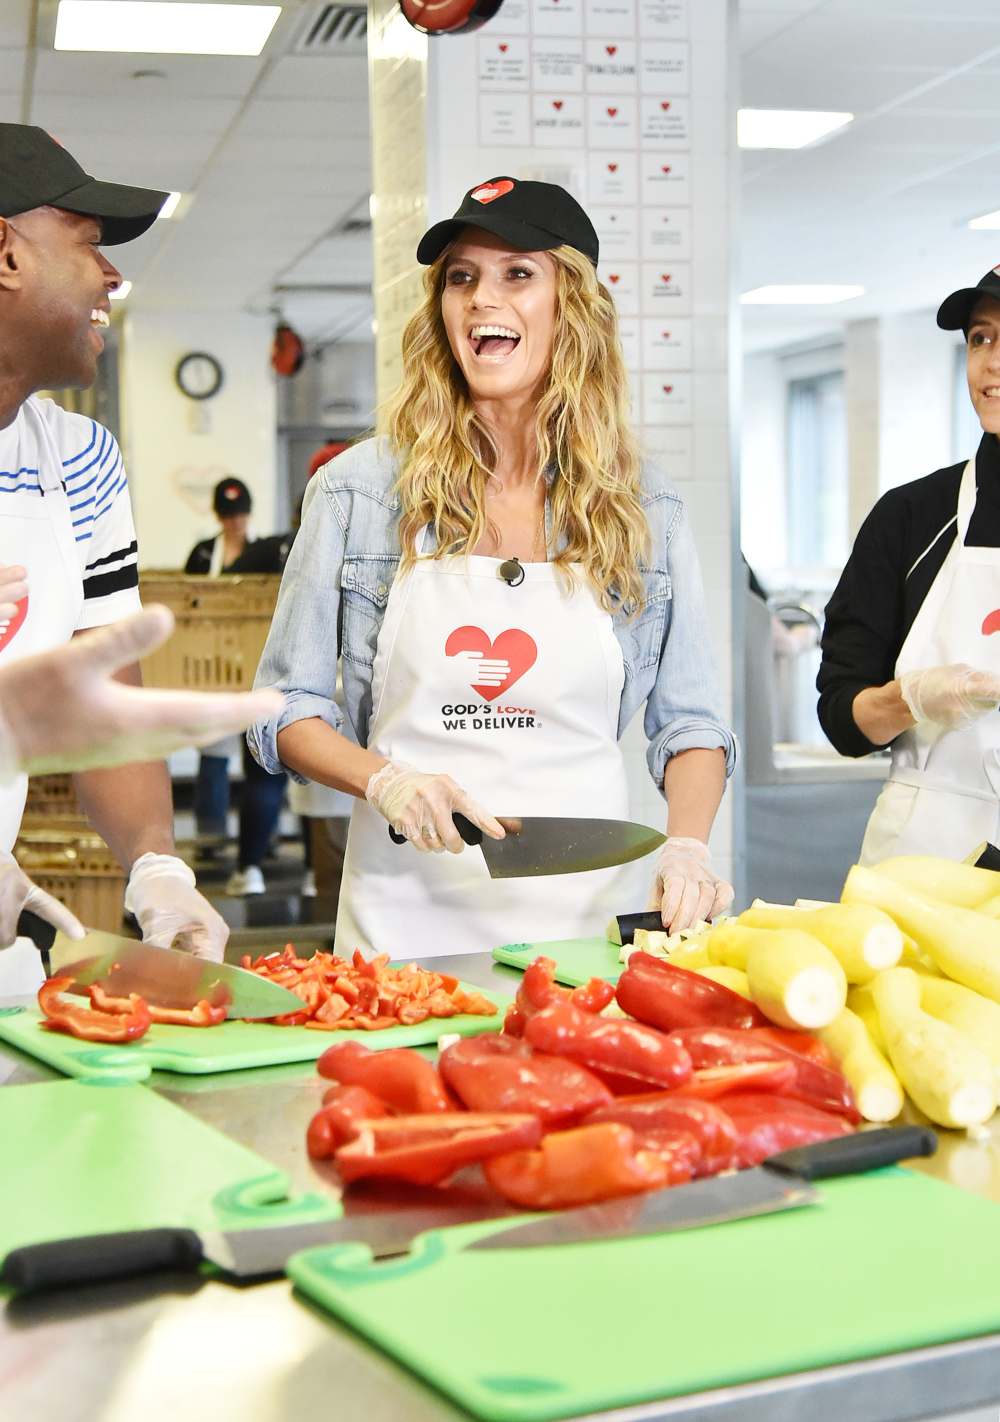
(532, 217)
(36, 171)
(231, 496)
(955, 311)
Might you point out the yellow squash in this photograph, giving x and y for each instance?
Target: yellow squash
(975, 1016)
(961, 884)
(876, 1086)
(864, 940)
(794, 979)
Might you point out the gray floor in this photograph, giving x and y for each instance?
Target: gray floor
(803, 838)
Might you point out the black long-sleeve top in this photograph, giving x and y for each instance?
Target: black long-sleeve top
(897, 555)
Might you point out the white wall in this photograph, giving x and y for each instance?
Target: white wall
(762, 463)
(177, 449)
(916, 374)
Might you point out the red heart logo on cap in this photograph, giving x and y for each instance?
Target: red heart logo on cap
(489, 192)
(9, 630)
(502, 48)
(612, 167)
(665, 276)
(611, 48)
(557, 103)
(664, 104)
(513, 646)
(613, 277)
(612, 112)
(990, 624)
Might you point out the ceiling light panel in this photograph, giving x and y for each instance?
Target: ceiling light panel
(786, 128)
(799, 295)
(988, 222)
(157, 27)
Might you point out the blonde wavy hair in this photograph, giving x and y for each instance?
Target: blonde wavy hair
(582, 432)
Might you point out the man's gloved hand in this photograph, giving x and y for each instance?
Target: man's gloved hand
(686, 889)
(950, 696)
(161, 893)
(17, 892)
(421, 807)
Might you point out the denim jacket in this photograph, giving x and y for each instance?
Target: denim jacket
(337, 581)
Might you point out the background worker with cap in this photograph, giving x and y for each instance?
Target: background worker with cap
(503, 561)
(909, 653)
(232, 505)
(65, 514)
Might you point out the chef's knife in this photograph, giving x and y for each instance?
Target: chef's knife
(780, 1183)
(163, 976)
(544, 844)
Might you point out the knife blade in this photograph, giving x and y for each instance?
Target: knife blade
(544, 844)
(782, 1182)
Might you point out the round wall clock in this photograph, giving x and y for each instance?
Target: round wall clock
(449, 17)
(198, 375)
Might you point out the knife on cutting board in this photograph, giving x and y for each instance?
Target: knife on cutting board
(782, 1182)
(547, 844)
(163, 976)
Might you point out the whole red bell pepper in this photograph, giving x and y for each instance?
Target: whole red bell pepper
(401, 1078)
(711, 1129)
(426, 1150)
(817, 1085)
(580, 1167)
(203, 1014)
(665, 996)
(710, 1083)
(766, 1125)
(538, 989)
(627, 1055)
(803, 1044)
(88, 1023)
(339, 1119)
(500, 1073)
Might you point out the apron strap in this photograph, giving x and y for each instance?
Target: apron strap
(920, 780)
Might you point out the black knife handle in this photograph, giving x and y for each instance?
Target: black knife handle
(96, 1258)
(471, 833)
(39, 930)
(628, 923)
(851, 1155)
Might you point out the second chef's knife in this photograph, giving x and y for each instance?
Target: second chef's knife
(780, 1183)
(543, 844)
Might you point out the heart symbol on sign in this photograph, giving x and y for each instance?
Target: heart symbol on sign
(502, 48)
(491, 191)
(665, 335)
(990, 624)
(557, 103)
(8, 630)
(665, 276)
(513, 646)
(668, 389)
(611, 48)
(612, 167)
(664, 104)
(613, 277)
(665, 169)
(612, 112)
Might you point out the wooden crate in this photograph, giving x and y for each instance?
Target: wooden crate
(79, 870)
(52, 804)
(222, 625)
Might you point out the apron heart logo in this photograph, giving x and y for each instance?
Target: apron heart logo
(514, 647)
(491, 191)
(991, 623)
(9, 630)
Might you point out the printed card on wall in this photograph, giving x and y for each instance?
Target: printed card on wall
(666, 286)
(666, 232)
(628, 334)
(664, 66)
(557, 65)
(504, 119)
(665, 179)
(515, 18)
(504, 63)
(666, 342)
(622, 280)
(611, 66)
(665, 120)
(557, 120)
(666, 398)
(617, 230)
(557, 17)
(634, 400)
(663, 19)
(613, 177)
(610, 17)
(612, 121)
(671, 449)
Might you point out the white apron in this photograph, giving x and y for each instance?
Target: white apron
(36, 533)
(540, 740)
(943, 792)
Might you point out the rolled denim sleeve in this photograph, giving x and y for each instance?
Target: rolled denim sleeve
(301, 652)
(684, 708)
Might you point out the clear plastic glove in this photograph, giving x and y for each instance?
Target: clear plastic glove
(161, 893)
(951, 696)
(63, 710)
(17, 892)
(13, 587)
(421, 807)
(686, 889)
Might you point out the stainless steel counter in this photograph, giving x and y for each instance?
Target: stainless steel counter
(171, 1347)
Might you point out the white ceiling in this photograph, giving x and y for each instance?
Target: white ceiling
(276, 150)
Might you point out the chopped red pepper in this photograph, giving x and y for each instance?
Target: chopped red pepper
(628, 1055)
(817, 1085)
(538, 989)
(203, 1014)
(768, 1124)
(400, 1077)
(803, 1044)
(580, 1167)
(710, 1083)
(338, 1119)
(89, 1023)
(665, 996)
(500, 1073)
(426, 1150)
(658, 1111)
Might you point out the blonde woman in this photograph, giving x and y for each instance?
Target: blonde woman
(505, 584)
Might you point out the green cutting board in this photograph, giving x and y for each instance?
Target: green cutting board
(577, 959)
(887, 1262)
(86, 1158)
(229, 1047)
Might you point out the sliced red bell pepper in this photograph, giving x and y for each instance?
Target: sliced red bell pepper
(628, 1055)
(403, 1079)
(803, 1044)
(203, 1014)
(426, 1150)
(659, 1111)
(817, 1085)
(538, 988)
(710, 1083)
(768, 1124)
(87, 1022)
(679, 1151)
(500, 1073)
(665, 996)
(513, 1022)
(580, 1167)
(338, 1119)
